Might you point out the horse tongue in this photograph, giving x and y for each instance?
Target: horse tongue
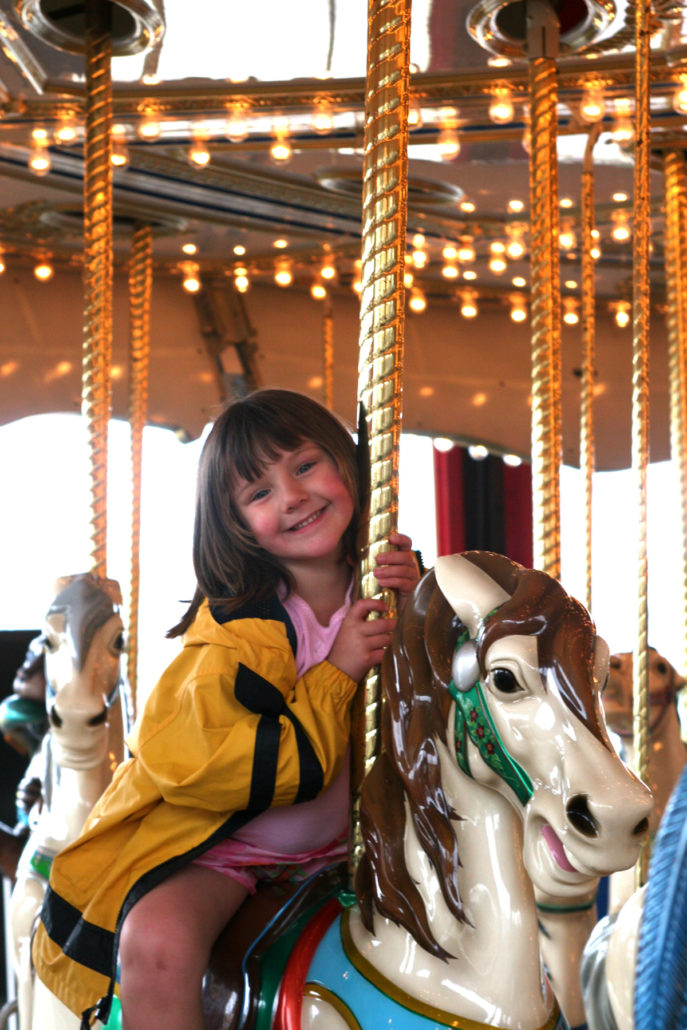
(556, 848)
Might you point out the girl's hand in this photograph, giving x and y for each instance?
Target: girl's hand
(360, 644)
(399, 569)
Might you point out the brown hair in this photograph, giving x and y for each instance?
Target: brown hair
(416, 671)
(231, 569)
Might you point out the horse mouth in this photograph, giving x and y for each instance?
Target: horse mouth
(556, 848)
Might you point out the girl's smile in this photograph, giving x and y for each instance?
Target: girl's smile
(299, 508)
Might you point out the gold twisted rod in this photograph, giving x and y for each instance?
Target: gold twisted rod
(587, 448)
(97, 330)
(640, 392)
(385, 202)
(328, 356)
(545, 317)
(140, 288)
(676, 319)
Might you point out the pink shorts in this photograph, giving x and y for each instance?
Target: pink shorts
(234, 859)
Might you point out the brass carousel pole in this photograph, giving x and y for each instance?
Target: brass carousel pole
(587, 450)
(140, 287)
(328, 355)
(640, 391)
(676, 283)
(385, 189)
(542, 49)
(97, 331)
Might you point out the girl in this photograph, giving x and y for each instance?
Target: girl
(250, 718)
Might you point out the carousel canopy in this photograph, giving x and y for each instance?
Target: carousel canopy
(238, 135)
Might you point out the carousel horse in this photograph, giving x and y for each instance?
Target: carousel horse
(667, 751)
(634, 968)
(23, 723)
(565, 928)
(82, 641)
(495, 776)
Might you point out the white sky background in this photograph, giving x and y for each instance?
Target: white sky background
(44, 532)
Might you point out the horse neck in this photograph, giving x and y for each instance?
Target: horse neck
(667, 756)
(494, 972)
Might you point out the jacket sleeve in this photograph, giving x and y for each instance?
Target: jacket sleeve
(234, 741)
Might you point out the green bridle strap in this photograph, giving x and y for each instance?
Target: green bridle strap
(473, 720)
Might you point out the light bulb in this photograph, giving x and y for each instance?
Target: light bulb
(283, 275)
(466, 251)
(468, 306)
(408, 279)
(621, 228)
(680, 97)
(149, 128)
(417, 301)
(419, 258)
(622, 315)
(43, 271)
(239, 250)
(328, 271)
(501, 107)
(515, 248)
(448, 144)
(566, 237)
(592, 105)
(281, 151)
(322, 121)
(39, 161)
(66, 131)
(120, 153)
(450, 271)
(450, 252)
(478, 452)
(516, 205)
(570, 314)
(518, 308)
(242, 283)
(318, 291)
(198, 154)
(236, 128)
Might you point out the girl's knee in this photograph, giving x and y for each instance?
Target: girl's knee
(154, 950)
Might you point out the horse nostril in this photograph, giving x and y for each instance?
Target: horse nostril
(577, 811)
(641, 828)
(54, 717)
(98, 719)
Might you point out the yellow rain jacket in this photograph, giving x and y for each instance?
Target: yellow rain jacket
(228, 732)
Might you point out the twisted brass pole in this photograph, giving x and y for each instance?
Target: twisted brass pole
(140, 288)
(385, 193)
(640, 392)
(545, 316)
(676, 282)
(328, 356)
(97, 330)
(587, 449)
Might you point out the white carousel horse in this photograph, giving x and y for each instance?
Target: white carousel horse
(496, 775)
(634, 968)
(667, 751)
(83, 640)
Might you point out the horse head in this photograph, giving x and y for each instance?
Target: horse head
(83, 639)
(494, 677)
(664, 684)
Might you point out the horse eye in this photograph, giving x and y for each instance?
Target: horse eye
(505, 681)
(662, 668)
(118, 644)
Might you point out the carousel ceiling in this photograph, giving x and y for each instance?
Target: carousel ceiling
(238, 134)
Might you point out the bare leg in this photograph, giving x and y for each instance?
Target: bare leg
(165, 945)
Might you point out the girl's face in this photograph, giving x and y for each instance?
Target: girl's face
(299, 508)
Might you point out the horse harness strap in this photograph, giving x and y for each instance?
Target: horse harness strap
(473, 720)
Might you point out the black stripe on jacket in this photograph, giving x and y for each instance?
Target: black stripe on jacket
(95, 947)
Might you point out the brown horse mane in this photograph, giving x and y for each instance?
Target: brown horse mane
(406, 775)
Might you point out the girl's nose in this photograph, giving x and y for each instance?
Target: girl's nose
(294, 495)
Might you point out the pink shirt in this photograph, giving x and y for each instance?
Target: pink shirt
(312, 829)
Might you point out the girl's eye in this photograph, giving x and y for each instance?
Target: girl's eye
(259, 494)
(305, 466)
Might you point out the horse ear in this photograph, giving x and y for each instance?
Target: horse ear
(470, 591)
